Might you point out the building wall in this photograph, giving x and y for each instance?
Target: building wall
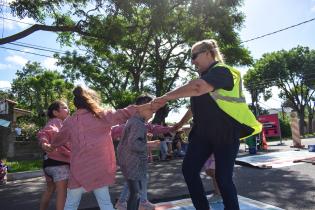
(12, 149)
(26, 150)
(3, 141)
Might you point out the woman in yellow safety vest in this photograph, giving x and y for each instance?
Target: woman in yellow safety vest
(220, 118)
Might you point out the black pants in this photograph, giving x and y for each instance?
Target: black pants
(134, 194)
(199, 150)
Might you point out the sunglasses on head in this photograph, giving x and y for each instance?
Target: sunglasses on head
(195, 55)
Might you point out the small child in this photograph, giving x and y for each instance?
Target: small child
(133, 157)
(209, 167)
(117, 131)
(56, 163)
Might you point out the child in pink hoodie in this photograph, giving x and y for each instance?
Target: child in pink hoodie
(93, 162)
(56, 163)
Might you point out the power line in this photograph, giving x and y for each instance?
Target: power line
(26, 52)
(44, 48)
(34, 45)
(268, 106)
(17, 21)
(283, 29)
(2, 11)
(37, 48)
(259, 37)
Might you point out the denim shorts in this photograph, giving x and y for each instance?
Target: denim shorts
(57, 173)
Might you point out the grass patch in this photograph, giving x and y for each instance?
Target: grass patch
(23, 165)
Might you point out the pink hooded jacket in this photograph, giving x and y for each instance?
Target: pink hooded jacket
(46, 134)
(93, 162)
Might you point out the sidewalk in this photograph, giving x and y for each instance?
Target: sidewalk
(273, 147)
(24, 175)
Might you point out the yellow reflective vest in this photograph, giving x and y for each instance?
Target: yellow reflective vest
(233, 102)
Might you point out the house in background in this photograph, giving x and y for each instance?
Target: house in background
(9, 147)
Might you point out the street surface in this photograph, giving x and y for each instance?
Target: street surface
(291, 188)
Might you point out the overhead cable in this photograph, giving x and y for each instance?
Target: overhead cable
(283, 29)
(26, 52)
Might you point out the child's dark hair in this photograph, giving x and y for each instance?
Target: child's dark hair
(143, 99)
(85, 98)
(54, 106)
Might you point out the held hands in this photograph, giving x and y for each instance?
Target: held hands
(145, 111)
(159, 102)
(47, 147)
(153, 106)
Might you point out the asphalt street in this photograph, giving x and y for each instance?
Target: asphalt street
(291, 188)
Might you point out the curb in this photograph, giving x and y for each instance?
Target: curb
(24, 175)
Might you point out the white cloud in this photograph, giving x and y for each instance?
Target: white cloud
(5, 66)
(5, 84)
(17, 60)
(50, 63)
(9, 25)
(22, 22)
(313, 9)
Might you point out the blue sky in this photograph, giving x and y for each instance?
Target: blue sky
(262, 17)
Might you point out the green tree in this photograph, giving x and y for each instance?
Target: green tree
(310, 113)
(292, 72)
(257, 89)
(285, 127)
(151, 48)
(6, 94)
(138, 45)
(35, 88)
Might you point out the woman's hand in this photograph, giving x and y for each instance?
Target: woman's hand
(159, 102)
(145, 109)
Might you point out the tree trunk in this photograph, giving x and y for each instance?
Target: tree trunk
(254, 96)
(136, 80)
(310, 118)
(301, 123)
(310, 123)
(160, 115)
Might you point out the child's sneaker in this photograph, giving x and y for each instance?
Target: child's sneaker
(215, 198)
(121, 205)
(146, 206)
